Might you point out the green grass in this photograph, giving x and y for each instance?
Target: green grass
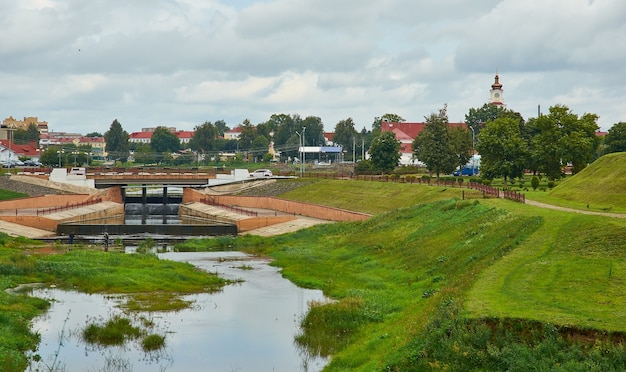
(490, 284)
(370, 196)
(7, 194)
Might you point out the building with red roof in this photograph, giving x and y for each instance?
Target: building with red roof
(406, 133)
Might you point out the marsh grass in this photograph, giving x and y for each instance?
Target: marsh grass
(118, 330)
(114, 332)
(153, 342)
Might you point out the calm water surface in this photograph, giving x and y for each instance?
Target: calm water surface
(247, 327)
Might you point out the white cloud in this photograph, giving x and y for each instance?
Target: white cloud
(178, 62)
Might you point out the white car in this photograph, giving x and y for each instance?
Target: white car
(261, 173)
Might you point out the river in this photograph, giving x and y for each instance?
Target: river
(249, 326)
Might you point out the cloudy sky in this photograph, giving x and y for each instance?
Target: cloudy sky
(81, 64)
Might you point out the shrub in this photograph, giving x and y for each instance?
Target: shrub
(534, 182)
(487, 182)
(551, 184)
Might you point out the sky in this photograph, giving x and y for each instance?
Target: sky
(79, 64)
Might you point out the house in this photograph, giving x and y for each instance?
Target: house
(145, 136)
(406, 133)
(233, 134)
(12, 151)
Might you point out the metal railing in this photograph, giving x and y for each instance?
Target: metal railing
(47, 210)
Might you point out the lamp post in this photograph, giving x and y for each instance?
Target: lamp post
(60, 152)
(473, 166)
(300, 150)
(303, 146)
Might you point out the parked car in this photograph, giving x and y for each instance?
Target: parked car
(466, 171)
(32, 163)
(261, 173)
(12, 163)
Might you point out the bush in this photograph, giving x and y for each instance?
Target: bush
(487, 182)
(363, 166)
(534, 182)
(551, 184)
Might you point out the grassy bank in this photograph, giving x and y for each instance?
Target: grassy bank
(457, 285)
(150, 283)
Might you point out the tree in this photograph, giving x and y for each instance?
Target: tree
(50, 157)
(94, 134)
(615, 140)
(562, 137)
(580, 142)
(164, 142)
(143, 154)
(434, 146)
(345, 133)
(477, 118)
(314, 131)
(385, 152)
(203, 139)
(221, 127)
(260, 147)
(461, 140)
(392, 118)
(116, 139)
(247, 136)
(502, 149)
(28, 135)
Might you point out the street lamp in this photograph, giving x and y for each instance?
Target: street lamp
(60, 152)
(303, 145)
(473, 152)
(300, 150)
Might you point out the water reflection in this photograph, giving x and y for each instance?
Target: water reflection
(247, 327)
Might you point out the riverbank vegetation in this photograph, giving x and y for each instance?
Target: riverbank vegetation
(149, 284)
(457, 285)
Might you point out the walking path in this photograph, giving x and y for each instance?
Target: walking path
(565, 209)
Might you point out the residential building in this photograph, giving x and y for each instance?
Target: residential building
(12, 151)
(406, 133)
(145, 136)
(233, 134)
(10, 122)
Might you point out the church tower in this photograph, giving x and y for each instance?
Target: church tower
(495, 94)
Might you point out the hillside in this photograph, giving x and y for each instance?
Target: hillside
(598, 186)
(459, 285)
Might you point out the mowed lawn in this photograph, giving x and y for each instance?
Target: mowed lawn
(571, 271)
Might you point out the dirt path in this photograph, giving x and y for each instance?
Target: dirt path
(555, 207)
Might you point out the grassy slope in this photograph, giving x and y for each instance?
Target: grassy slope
(569, 270)
(370, 197)
(599, 186)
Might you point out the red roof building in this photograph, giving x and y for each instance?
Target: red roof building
(184, 136)
(406, 133)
